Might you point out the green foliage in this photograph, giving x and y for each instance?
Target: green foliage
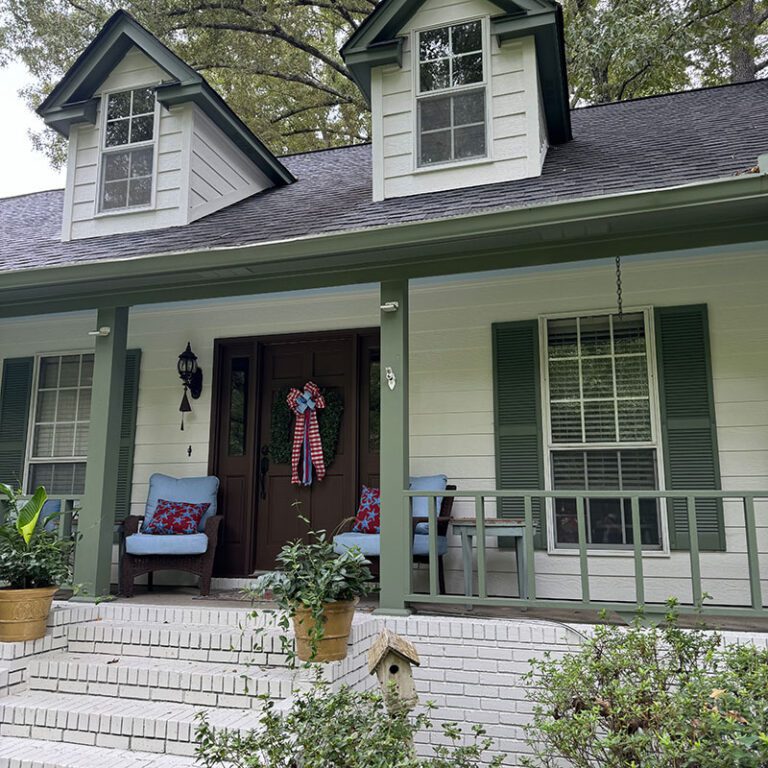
(651, 697)
(311, 576)
(339, 729)
(30, 555)
(328, 424)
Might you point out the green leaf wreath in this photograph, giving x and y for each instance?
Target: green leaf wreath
(328, 422)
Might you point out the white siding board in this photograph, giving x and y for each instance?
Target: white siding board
(514, 143)
(452, 397)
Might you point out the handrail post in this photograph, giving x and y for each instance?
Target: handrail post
(482, 588)
(753, 554)
(396, 526)
(583, 556)
(637, 542)
(529, 550)
(693, 543)
(432, 531)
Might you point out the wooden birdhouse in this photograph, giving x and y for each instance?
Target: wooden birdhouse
(392, 657)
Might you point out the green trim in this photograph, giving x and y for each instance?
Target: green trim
(128, 434)
(517, 420)
(71, 102)
(15, 399)
(718, 214)
(93, 563)
(688, 425)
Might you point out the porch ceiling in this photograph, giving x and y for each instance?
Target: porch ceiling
(711, 214)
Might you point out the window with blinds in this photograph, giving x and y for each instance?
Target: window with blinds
(60, 423)
(601, 425)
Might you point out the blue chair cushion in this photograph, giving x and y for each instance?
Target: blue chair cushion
(421, 544)
(157, 544)
(420, 506)
(370, 543)
(197, 490)
(48, 514)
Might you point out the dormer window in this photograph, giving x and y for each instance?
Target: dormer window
(128, 148)
(451, 94)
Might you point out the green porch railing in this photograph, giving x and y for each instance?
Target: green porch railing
(753, 606)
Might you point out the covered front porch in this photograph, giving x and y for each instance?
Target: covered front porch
(468, 341)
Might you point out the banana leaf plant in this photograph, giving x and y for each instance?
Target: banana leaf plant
(31, 553)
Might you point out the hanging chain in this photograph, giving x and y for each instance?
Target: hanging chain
(619, 299)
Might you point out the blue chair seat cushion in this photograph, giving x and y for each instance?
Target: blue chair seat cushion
(172, 544)
(370, 543)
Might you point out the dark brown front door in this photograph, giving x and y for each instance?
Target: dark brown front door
(260, 505)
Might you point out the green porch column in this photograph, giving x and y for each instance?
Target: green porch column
(396, 531)
(93, 558)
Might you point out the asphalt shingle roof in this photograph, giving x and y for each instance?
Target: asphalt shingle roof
(636, 145)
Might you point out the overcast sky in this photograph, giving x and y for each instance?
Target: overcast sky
(24, 169)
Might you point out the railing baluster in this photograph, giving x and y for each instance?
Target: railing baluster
(583, 557)
(482, 590)
(693, 536)
(637, 541)
(433, 561)
(753, 555)
(529, 551)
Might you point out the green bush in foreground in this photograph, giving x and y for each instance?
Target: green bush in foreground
(658, 697)
(338, 729)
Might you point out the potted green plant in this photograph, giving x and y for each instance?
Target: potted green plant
(318, 589)
(34, 562)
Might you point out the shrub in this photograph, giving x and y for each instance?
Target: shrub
(651, 697)
(338, 729)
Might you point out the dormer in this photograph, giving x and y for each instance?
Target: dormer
(461, 93)
(151, 144)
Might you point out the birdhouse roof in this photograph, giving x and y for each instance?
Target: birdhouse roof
(389, 642)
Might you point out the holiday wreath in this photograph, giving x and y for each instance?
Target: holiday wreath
(328, 422)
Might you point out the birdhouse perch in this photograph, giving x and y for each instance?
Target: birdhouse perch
(391, 657)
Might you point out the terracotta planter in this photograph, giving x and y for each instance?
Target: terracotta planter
(337, 621)
(24, 613)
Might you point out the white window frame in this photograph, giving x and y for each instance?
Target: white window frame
(655, 443)
(29, 459)
(419, 95)
(104, 150)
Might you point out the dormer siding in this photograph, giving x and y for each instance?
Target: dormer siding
(516, 128)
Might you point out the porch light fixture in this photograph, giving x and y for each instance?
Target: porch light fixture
(390, 306)
(191, 376)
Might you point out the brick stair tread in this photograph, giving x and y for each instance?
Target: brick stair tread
(104, 673)
(119, 716)
(36, 753)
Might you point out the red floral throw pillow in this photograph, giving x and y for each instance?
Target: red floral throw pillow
(172, 517)
(368, 519)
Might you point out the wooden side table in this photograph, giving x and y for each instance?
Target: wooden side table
(466, 527)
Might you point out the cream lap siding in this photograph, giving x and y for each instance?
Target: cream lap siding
(515, 128)
(219, 173)
(451, 389)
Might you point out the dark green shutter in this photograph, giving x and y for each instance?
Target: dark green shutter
(15, 394)
(517, 413)
(689, 432)
(127, 434)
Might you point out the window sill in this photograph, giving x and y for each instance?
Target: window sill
(123, 211)
(451, 166)
(574, 552)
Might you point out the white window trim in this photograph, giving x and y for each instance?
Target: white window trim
(103, 150)
(29, 459)
(655, 443)
(418, 95)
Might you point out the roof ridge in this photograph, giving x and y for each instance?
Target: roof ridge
(326, 149)
(30, 194)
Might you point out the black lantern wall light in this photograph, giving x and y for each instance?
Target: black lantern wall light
(191, 375)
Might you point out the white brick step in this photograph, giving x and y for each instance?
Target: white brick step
(195, 642)
(140, 677)
(36, 753)
(145, 726)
